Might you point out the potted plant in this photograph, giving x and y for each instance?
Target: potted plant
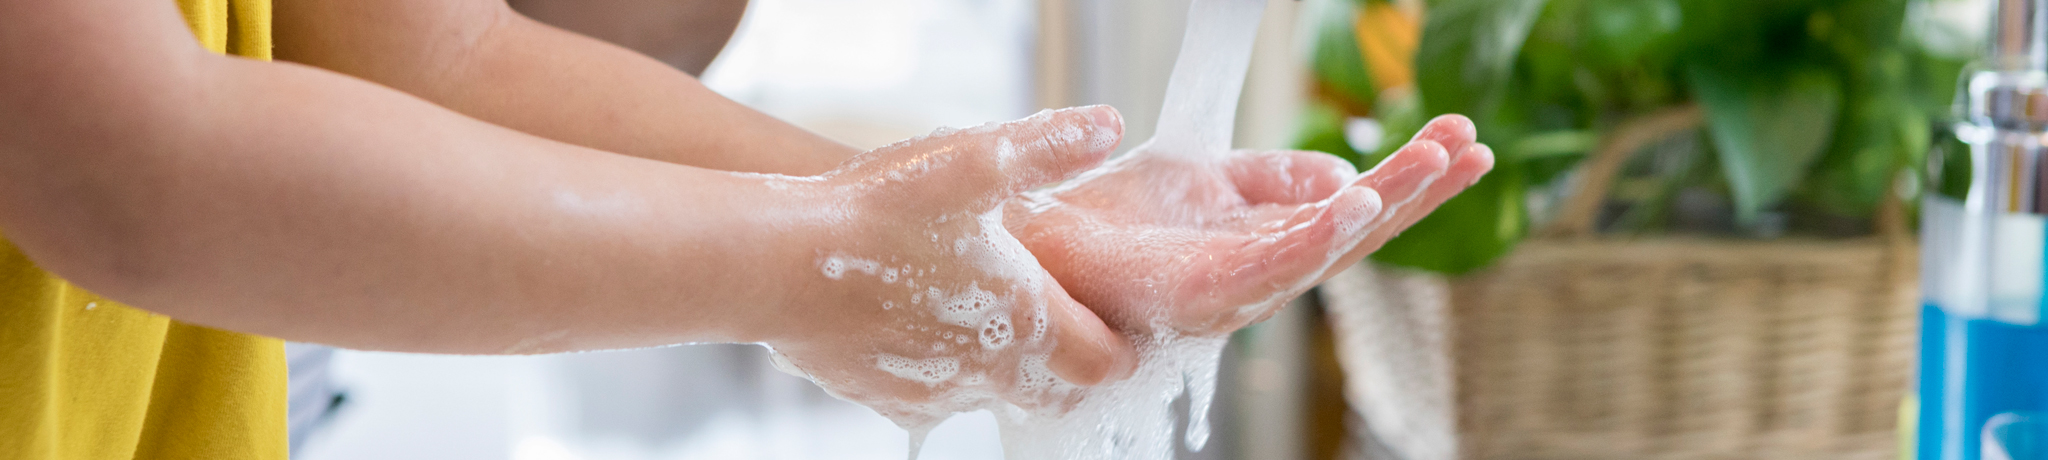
(1694, 242)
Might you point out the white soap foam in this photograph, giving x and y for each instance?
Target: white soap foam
(956, 336)
(1034, 375)
(836, 265)
(1126, 419)
(996, 333)
(931, 371)
(1132, 418)
(833, 268)
(968, 308)
(782, 363)
(1039, 324)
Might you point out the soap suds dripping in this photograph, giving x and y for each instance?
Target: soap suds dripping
(1133, 418)
(971, 339)
(1126, 419)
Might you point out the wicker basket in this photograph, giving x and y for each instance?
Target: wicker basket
(1655, 349)
(1577, 347)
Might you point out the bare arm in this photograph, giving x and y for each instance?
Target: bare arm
(294, 202)
(288, 201)
(482, 59)
(607, 92)
(686, 34)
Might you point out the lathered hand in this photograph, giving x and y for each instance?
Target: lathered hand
(916, 301)
(1154, 240)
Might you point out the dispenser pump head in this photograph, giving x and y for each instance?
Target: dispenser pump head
(2019, 35)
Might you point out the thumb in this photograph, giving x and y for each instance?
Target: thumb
(1055, 145)
(984, 165)
(1086, 351)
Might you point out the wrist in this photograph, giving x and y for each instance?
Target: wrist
(788, 222)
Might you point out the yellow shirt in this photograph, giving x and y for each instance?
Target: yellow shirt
(82, 377)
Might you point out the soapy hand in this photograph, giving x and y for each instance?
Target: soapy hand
(919, 303)
(1156, 241)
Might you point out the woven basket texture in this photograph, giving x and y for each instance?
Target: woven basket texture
(1649, 349)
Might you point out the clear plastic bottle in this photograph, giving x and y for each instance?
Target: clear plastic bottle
(1982, 386)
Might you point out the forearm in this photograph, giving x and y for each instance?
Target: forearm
(488, 62)
(685, 34)
(296, 203)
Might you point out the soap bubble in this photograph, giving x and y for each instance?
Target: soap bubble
(834, 268)
(1043, 416)
(930, 371)
(996, 334)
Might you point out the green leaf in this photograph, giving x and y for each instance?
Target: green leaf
(1881, 131)
(1468, 52)
(1871, 24)
(1337, 62)
(1550, 59)
(1725, 28)
(1743, 31)
(1854, 177)
(1769, 127)
(1556, 144)
(1624, 30)
(1949, 167)
(1401, 117)
(1933, 78)
(1469, 231)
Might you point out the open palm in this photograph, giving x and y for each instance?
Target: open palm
(1156, 241)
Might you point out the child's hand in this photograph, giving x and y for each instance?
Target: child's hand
(1210, 247)
(911, 296)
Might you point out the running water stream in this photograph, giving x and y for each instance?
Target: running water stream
(1127, 419)
(1132, 419)
(1200, 112)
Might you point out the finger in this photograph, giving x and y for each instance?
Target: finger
(1055, 145)
(1448, 134)
(1452, 131)
(1086, 351)
(989, 163)
(1456, 134)
(1289, 177)
(1403, 176)
(1473, 163)
(1402, 180)
(1266, 269)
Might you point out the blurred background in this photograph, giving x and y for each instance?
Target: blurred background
(1697, 242)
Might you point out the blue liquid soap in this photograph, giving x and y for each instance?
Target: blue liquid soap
(1982, 386)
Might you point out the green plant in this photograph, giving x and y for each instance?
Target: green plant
(1810, 106)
